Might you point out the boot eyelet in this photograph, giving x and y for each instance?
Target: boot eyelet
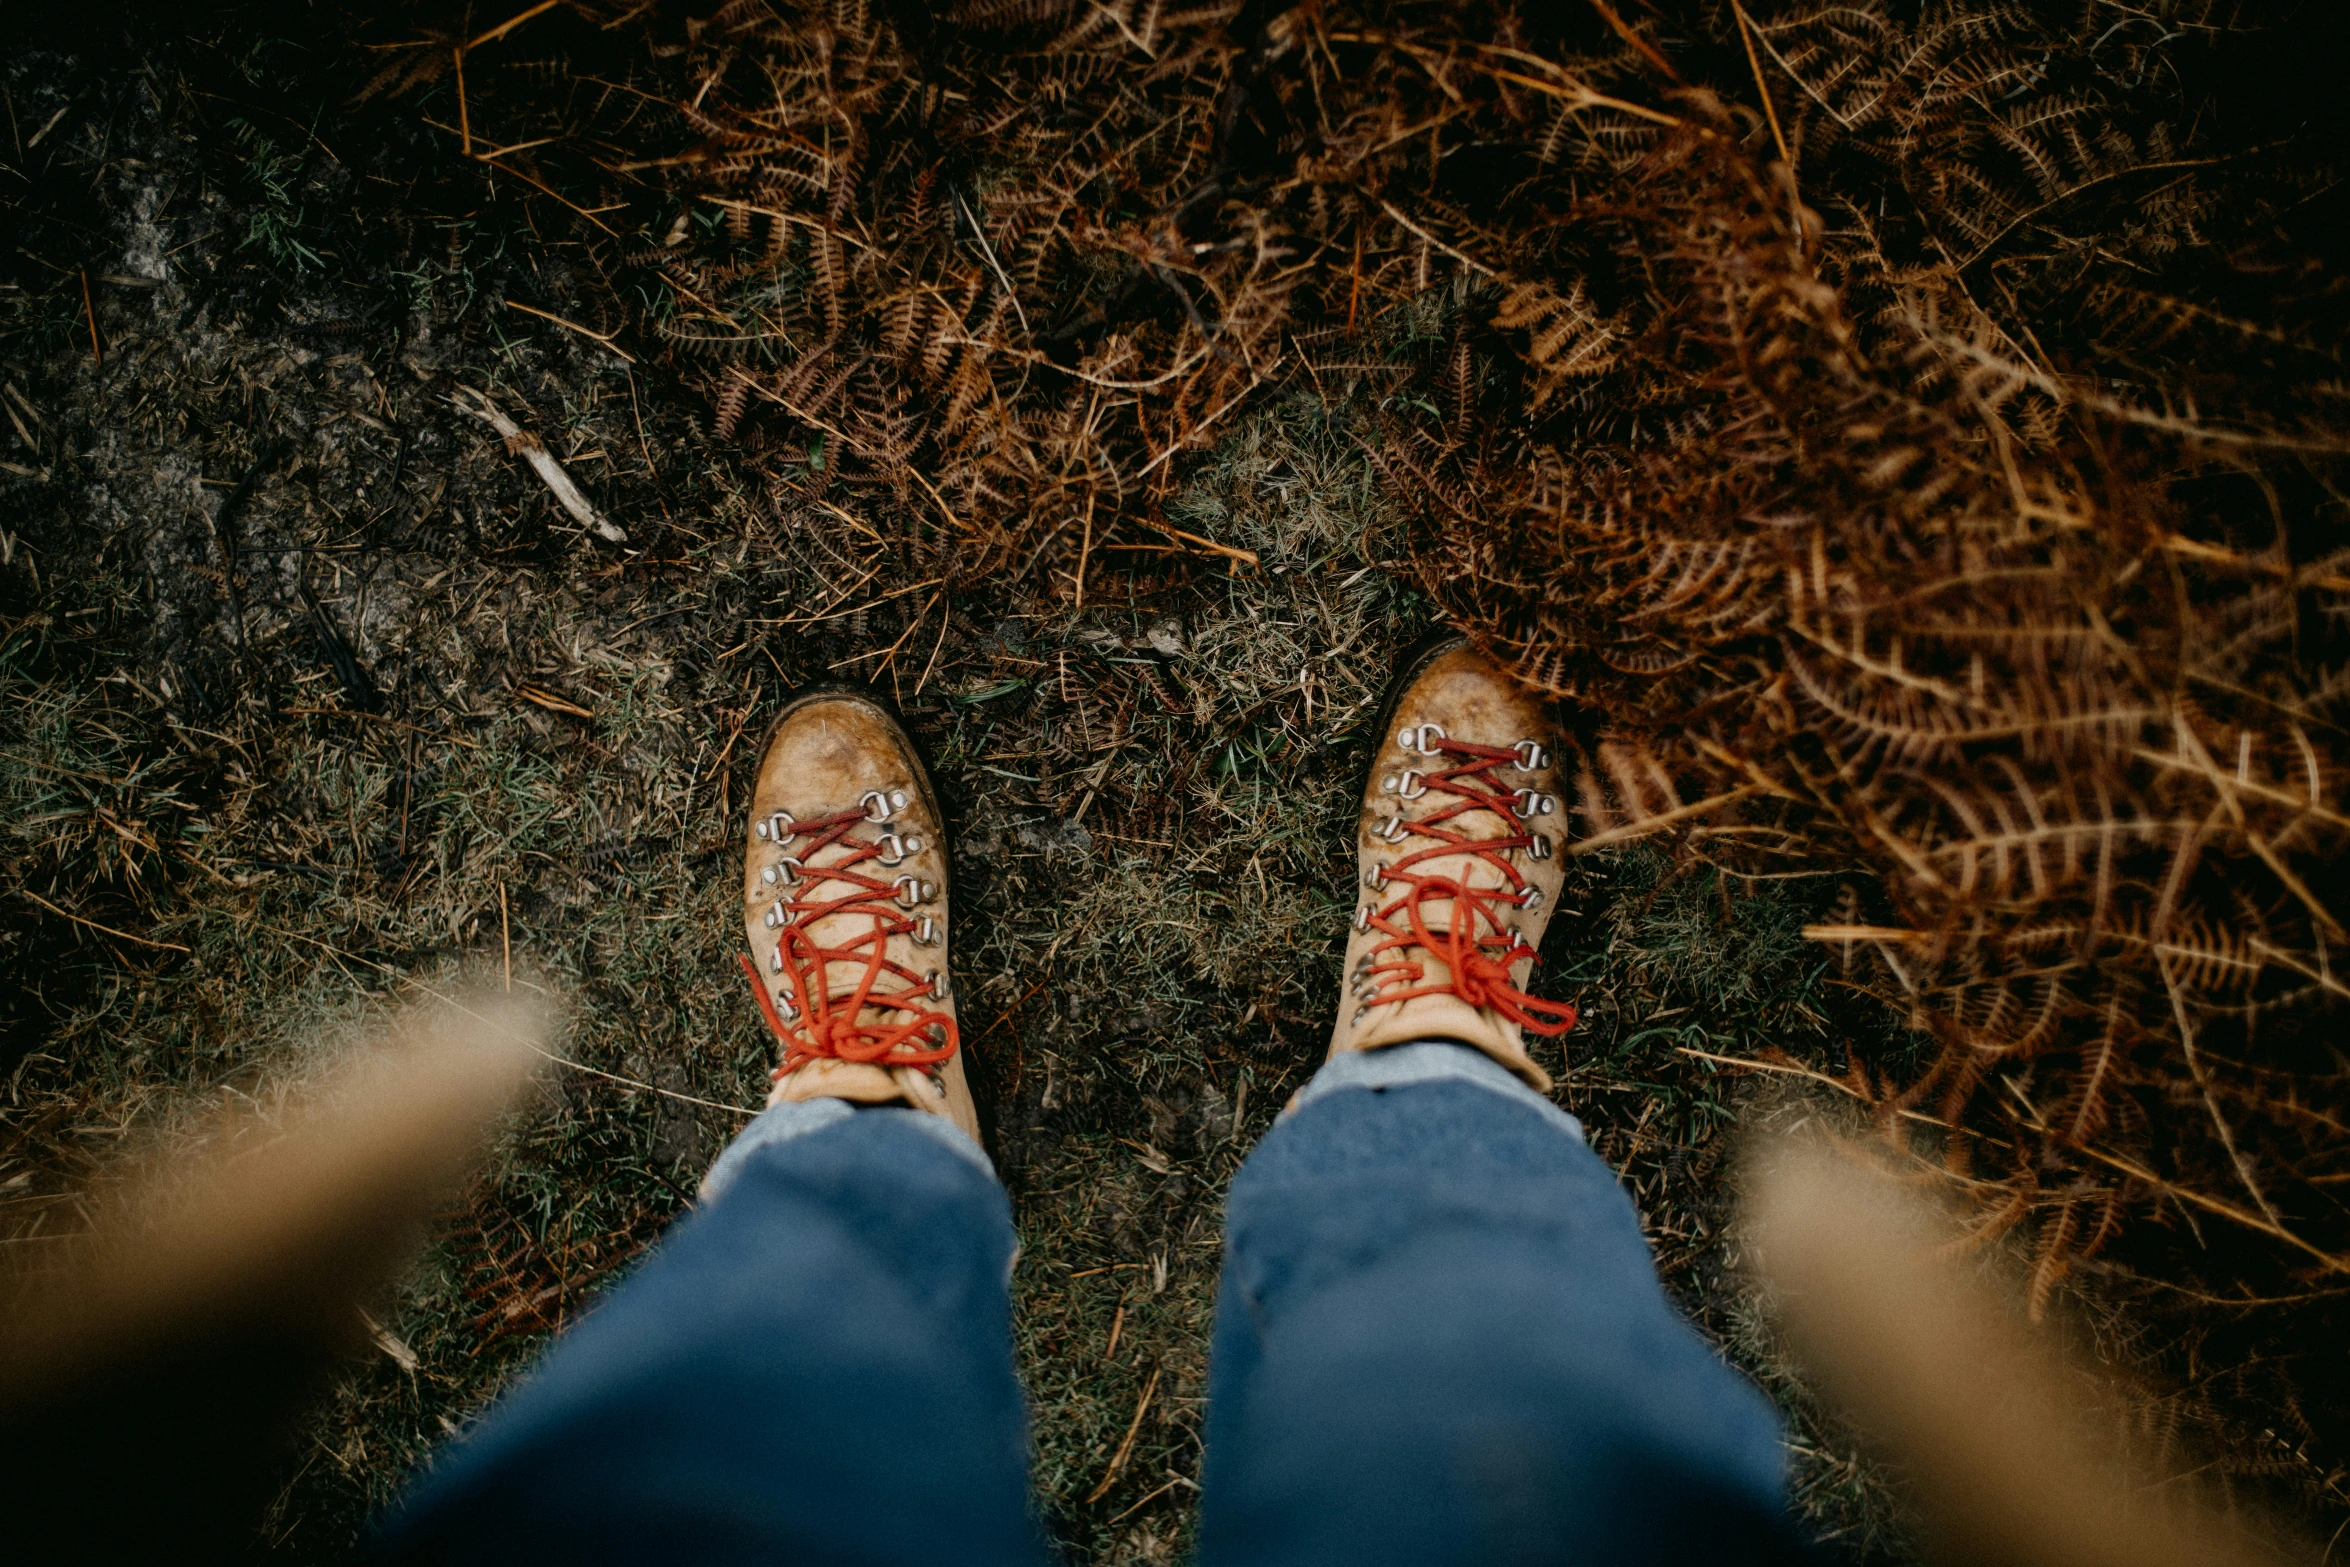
(1538, 847)
(1531, 757)
(786, 1008)
(1411, 785)
(1389, 830)
(1361, 1013)
(788, 869)
(1420, 738)
(937, 980)
(1376, 877)
(1526, 804)
(775, 961)
(1363, 916)
(912, 891)
(893, 848)
(926, 932)
(876, 805)
(1531, 898)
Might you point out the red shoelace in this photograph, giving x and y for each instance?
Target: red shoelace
(1478, 947)
(826, 1023)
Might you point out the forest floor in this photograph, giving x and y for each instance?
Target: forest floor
(311, 697)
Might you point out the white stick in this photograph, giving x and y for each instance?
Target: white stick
(522, 443)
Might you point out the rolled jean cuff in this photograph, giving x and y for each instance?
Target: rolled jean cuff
(780, 1123)
(1428, 1061)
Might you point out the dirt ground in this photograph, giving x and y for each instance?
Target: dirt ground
(314, 698)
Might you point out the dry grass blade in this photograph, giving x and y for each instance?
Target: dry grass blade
(2009, 1449)
(293, 1214)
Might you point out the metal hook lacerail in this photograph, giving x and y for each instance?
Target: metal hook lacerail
(1411, 785)
(876, 806)
(1529, 803)
(913, 890)
(776, 827)
(894, 848)
(1421, 737)
(1531, 757)
(926, 932)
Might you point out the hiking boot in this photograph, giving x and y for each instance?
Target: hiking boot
(845, 906)
(1460, 856)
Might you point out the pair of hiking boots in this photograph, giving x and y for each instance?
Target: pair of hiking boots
(845, 890)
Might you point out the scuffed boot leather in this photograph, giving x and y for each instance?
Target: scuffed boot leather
(845, 908)
(1459, 852)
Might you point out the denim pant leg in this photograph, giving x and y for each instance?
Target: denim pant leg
(814, 1367)
(1441, 1339)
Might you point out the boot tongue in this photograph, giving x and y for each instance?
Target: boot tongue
(1439, 908)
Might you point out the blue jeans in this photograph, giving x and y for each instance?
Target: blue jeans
(1439, 1340)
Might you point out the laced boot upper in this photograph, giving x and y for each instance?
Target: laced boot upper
(845, 909)
(1458, 849)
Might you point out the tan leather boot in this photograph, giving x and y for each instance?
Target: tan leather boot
(1459, 854)
(845, 906)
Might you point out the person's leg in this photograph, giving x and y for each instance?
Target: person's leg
(815, 1367)
(1441, 1339)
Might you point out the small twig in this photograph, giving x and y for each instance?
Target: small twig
(603, 339)
(1466, 260)
(512, 22)
(552, 701)
(1126, 1448)
(2225, 1210)
(169, 946)
(1582, 97)
(1754, 61)
(534, 451)
(944, 622)
(35, 139)
(464, 116)
(988, 251)
(1624, 31)
(1172, 1482)
(506, 938)
(90, 312)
